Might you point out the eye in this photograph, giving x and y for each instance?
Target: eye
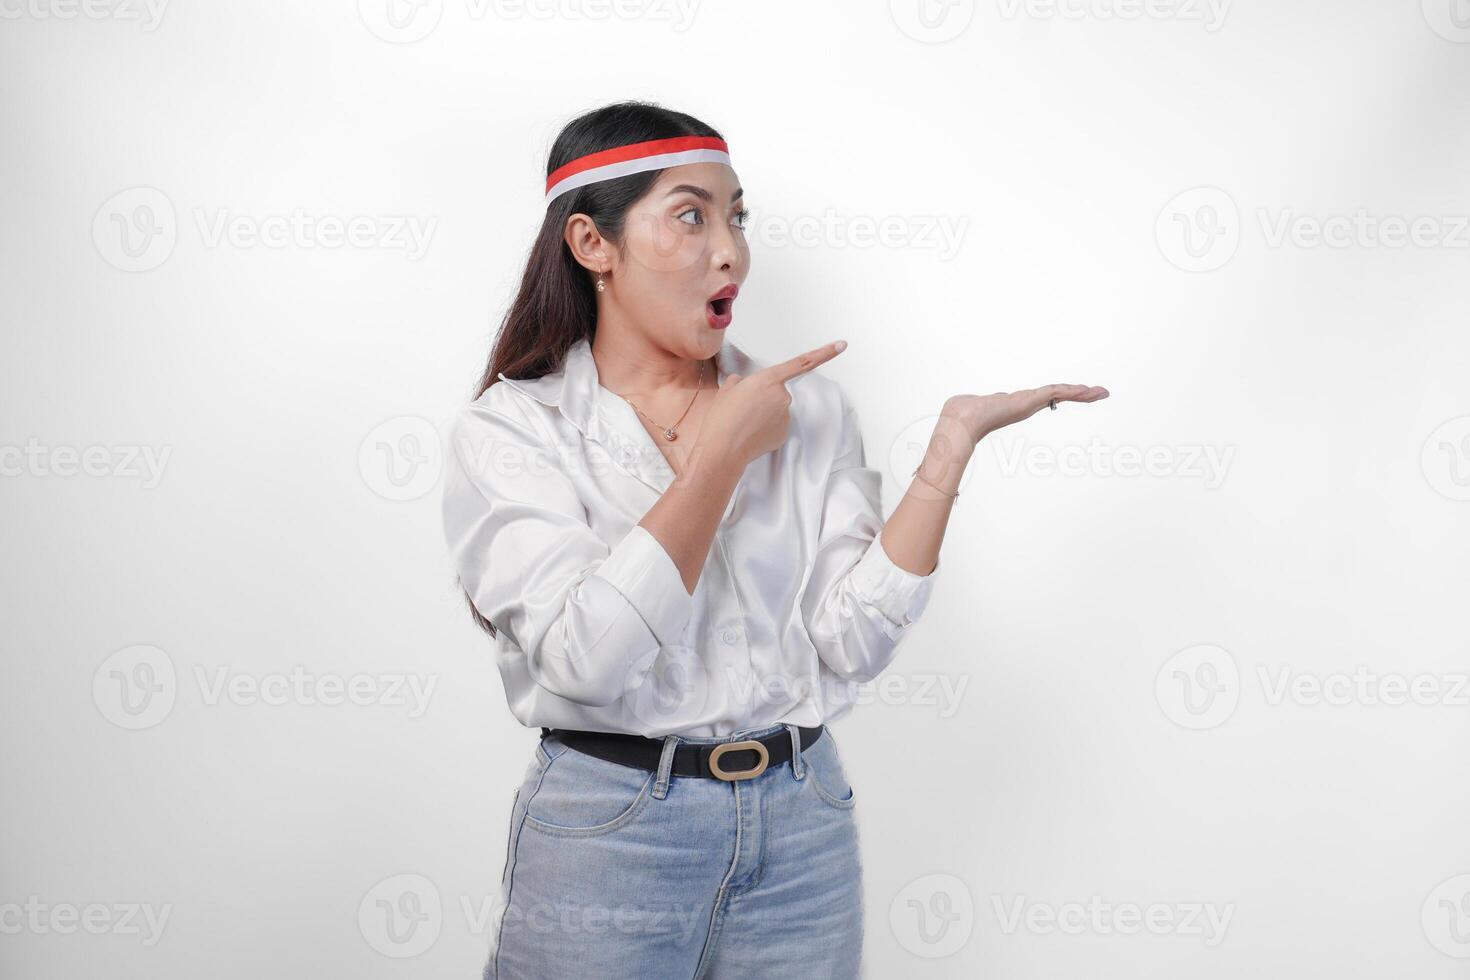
(742, 218)
(694, 211)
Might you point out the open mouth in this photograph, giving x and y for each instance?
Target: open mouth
(720, 308)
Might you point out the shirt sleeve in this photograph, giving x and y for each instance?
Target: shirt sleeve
(588, 617)
(858, 605)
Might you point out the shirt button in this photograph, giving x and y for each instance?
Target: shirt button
(728, 636)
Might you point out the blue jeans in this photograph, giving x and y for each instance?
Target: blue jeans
(615, 872)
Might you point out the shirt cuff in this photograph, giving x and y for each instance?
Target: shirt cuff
(897, 593)
(647, 577)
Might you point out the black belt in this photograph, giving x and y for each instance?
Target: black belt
(721, 760)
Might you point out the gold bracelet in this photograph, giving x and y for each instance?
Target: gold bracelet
(939, 488)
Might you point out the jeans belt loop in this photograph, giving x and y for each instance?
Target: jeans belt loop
(798, 770)
(665, 767)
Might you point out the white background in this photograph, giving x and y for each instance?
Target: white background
(1116, 637)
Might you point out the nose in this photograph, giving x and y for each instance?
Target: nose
(728, 250)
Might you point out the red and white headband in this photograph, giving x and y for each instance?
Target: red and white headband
(620, 161)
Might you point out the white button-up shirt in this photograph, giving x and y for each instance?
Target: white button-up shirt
(797, 605)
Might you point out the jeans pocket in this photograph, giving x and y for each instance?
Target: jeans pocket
(825, 773)
(579, 795)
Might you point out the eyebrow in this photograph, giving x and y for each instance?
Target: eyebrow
(701, 193)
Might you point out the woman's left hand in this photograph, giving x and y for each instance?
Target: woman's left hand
(981, 415)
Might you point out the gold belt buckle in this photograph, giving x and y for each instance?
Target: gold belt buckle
(721, 749)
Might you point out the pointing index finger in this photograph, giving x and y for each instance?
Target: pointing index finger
(802, 363)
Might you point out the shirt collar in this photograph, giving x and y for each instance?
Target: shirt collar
(605, 417)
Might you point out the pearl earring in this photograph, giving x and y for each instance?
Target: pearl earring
(601, 286)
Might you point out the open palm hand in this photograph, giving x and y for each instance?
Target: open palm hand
(983, 414)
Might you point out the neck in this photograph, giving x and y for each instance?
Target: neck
(631, 365)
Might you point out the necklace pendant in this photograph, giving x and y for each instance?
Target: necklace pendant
(670, 435)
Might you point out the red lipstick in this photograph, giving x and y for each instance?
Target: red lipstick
(720, 309)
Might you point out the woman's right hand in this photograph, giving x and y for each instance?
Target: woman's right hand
(749, 415)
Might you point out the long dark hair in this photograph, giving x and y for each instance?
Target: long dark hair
(556, 305)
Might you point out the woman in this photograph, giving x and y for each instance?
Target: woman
(677, 550)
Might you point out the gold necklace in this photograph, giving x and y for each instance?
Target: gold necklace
(671, 432)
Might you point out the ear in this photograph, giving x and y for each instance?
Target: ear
(588, 246)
